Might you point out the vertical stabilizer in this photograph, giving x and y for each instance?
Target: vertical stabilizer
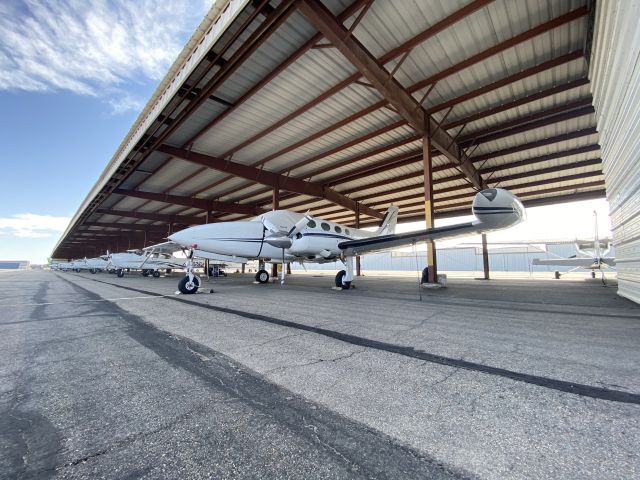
(388, 225)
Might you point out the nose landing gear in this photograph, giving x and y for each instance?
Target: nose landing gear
(190, 283)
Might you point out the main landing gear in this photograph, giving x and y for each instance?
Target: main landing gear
(345, 277)
(262, 276)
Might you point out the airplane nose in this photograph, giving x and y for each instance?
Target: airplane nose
(183, 237)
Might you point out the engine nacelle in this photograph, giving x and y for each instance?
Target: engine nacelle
(496, 209)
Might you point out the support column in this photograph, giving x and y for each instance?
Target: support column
(275, 201)
(358, 272)
(427, 167)
(485, 256)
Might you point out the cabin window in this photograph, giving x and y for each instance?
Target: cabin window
(311, 224)
(325, 226)
(337, 229)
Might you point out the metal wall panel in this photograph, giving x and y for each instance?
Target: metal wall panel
(615, 82)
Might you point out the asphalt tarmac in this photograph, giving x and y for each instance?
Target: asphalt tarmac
(120, 378)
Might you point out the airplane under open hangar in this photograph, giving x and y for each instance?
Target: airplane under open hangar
(351, 110)
(343, 108)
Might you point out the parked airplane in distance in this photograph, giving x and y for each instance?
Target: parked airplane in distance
(148, 263)
(285, 236)
(593, 256)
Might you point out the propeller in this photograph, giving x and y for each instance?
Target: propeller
(280, 238)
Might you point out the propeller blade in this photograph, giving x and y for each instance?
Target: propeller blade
(299, 226)
(269, 225)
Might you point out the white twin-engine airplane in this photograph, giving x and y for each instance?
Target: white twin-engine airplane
(284, 236)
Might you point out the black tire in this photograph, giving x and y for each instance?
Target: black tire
(120, 273)
(156, 274)
(93, 271)
(262, 276)
(145, 273)
(556, 275)
(340, 280)
(187, 287)
(593, 274)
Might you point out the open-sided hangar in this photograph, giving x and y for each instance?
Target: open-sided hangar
(345, 107)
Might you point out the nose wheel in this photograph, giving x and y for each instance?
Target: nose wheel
(189, 285)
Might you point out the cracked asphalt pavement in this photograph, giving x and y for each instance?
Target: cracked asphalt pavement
(118, 378)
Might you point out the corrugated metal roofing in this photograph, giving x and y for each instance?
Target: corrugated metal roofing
(259, 86)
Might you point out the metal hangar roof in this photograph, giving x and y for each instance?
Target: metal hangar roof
(260, 99)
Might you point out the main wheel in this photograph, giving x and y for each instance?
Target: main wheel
(262, 276)
(145, 273)
(556, 275)
(340, 280)
(93, 271)
(593, 274)
(186, 286)
(155, 274)
(120, 273)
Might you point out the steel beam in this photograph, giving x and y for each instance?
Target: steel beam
(469, 195)
(427, 168)
(265, 177)
(485, 257)
(124, 226)
(418, 215)
(201, 203)
(157, 217)
(388, 86)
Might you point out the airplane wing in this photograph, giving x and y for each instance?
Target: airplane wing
(494, 209)
(164, 247)
(218, 257)
(385, 242)
(573, 262)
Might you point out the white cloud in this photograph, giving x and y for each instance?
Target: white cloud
(31, 225)
(92, 48)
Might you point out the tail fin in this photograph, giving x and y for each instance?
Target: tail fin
(388, 224)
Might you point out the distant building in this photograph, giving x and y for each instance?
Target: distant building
(14, 264)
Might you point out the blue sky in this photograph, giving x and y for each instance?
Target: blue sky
(74, 75)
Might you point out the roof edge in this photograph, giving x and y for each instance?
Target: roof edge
(221, 14)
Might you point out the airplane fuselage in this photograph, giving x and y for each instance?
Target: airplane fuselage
(317, 241)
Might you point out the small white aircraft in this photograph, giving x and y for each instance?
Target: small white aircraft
(148, 262)
(284, 236)
(593, 256)
(98, 263)
(91, 264)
